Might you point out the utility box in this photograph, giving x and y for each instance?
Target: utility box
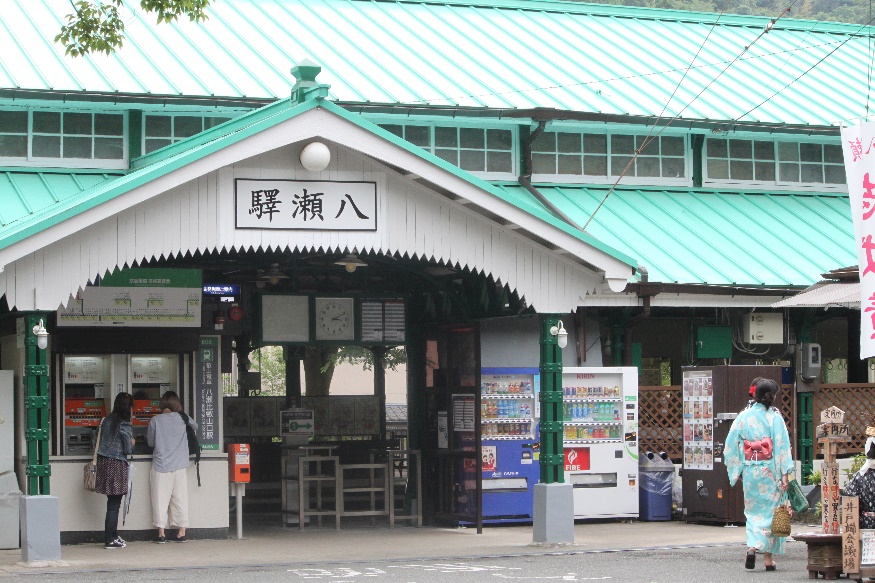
(714, 342)
(763, 328)
(238, 463)
(809, 361)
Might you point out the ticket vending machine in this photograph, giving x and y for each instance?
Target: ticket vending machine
(151, 377)
(712, 398)
(85, 401)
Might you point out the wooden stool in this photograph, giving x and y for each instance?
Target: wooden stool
(824, 554)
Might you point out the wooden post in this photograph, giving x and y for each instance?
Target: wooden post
(830, 497)
(850, 534)
(830, 432)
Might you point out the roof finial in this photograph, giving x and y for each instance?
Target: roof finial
(306, 87)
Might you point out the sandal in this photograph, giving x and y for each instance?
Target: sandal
(750, 561)
(771, 567)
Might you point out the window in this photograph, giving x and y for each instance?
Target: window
(820, 163)
(484, 150)
(63, 138)
(162, 130)
(774, 162)
(608, 155)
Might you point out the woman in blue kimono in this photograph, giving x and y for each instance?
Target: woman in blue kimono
(758, 450)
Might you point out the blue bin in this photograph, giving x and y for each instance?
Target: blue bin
(656, 476)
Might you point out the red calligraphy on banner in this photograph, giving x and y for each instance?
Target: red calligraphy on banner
(868, 246)
(871, 310)
(868, 196)
(857, 148)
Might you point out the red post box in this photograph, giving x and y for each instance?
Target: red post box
(238, 462)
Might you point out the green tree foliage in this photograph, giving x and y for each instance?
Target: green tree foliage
(270, 362)
(319, 365)
(98, 26)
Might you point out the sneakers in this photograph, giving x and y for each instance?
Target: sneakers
(179, 539)
(121, 540)
(160, 540)
(116, 544)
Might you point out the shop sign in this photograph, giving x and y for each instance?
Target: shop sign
(138, 297)
(576, 459)
(298, 422)
(207, 378)
(306, 204)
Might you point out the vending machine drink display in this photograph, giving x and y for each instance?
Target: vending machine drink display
(712, 398)
(600, 412)
(508, 418)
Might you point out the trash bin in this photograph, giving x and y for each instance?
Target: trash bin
(656, 475)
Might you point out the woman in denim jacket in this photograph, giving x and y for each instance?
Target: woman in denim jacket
(116, 444)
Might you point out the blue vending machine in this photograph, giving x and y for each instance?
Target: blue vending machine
(509, 413)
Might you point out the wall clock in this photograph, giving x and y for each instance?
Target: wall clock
(335, 319)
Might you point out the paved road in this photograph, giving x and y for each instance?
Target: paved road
(711, 564)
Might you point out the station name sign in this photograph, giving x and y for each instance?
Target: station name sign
(306, 205)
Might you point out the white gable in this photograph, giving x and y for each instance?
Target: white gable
(193, 209)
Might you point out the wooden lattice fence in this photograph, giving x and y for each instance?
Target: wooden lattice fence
(661, 422)
(857, 400)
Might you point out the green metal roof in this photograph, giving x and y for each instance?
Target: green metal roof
(177, 155)
(712, 236)
(498, 54)
(27, 193)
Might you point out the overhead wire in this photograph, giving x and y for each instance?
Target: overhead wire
(612, 79)
(869, 70)
(808, 70)
(647, 142)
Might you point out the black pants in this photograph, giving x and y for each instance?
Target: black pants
(110, 526)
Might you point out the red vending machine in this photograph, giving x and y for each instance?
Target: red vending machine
(712, 398)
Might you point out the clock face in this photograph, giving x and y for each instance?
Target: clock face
(334, 319)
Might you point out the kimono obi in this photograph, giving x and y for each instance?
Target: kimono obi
(758, 450)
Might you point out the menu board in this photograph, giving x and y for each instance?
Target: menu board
(85, 370)
(152, 369)
(383, 321)
(463, 413)
(372, 321)
(698, 399)
(394, 321)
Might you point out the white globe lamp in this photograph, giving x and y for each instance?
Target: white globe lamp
(315, 156)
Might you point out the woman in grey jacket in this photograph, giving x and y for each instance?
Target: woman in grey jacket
(116, 444)
(167, 479)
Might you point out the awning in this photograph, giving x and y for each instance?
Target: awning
(712, 237)
(823, 295)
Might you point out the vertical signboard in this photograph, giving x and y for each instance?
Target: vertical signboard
(859, 154)
(830, 497)
(850, 534)
(207, 378)
(698, 399)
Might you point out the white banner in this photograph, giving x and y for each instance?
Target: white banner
(858, 143)
(306, 204)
